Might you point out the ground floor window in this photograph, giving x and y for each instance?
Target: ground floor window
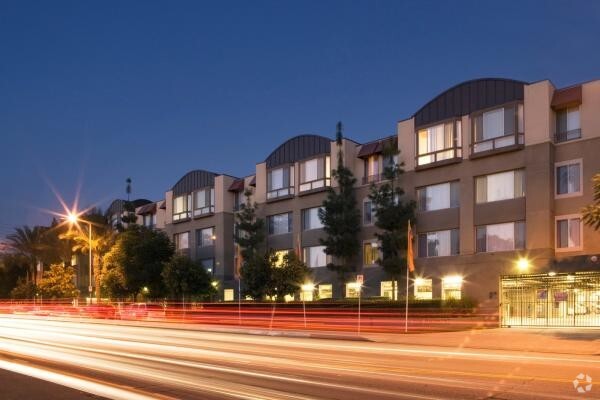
(228, 295)
(208, 264)
(452, 287)
(387, 289)
(325, 291)
(352, 290)
(306, 294)
(423, 289)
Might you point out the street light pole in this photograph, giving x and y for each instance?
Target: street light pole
(90, 257)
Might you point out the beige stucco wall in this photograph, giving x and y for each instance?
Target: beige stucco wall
(407, 143)
(169, 207)
(260, 194)
(538, 116)
(590, 109)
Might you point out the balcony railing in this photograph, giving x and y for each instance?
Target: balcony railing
(204, 211)
(316, 184)
(372, 179)
(566, 136)
(282, 192)
(439, 155)
(498, 143)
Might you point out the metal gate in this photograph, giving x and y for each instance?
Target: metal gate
(550, 300)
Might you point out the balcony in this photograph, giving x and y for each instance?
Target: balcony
(204, 211)
(439, 157)
(497, 144)
(560, 137)
(282, 193)
(314, 185)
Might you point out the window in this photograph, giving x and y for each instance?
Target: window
(439, 142)
(181, 207)
(182, 241)
(568, 178)
(280, 223)
(238, 200)
(315, 256)
(149, 220)
(498, 128)
(279, 257)
(228, 295)
(438, 197)
(325, 291)
(423, 289)
(370, 253)
(568, 125)
(501, 237)
(205, 237)
(307, 294)
(568, 233)
(368, 212)
(387, 289)
(372, 168)
(452, 287)
(438, 244)
(310, 219)
(204, 201)
(280, 182)
(501, 186)
(208, 264)
(352, 290)
(315, 173)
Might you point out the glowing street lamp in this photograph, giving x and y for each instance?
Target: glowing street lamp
(74, 219)
(523, 264)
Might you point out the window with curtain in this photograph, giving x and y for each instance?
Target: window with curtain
(438, 196)
(500, 186)
(280, 182)
(181, 207)
(280, 223)
(315, 173)
(568, 233)
(310, 219)
(315, 256)
(205, 237)
(501, 237)
(204, 201)
(437, 143)
(182, 240)
(423, 289)
(568, 178)
(439, 244)
(497, 128)
(370, 253)
(372, 167)
(568, 125)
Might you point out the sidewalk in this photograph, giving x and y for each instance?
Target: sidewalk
(563, 341)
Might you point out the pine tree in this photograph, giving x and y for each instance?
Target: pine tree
(255, 269)
(392, 216)
(341, 218)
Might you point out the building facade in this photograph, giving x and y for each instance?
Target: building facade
(499, 169)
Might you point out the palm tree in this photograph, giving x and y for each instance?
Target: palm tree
(29, 242)
(591, 213)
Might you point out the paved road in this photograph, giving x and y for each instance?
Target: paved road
(138, 362)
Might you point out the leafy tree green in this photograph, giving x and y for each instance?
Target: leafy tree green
(184, 277)
(25, 289)
(139, 254)
(288, 277)
(255, 267)
(341, 218)
(58, 282)
(591, 213)
(13, 267)
(392, 216)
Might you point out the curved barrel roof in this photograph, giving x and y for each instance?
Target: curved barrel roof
(298, 148)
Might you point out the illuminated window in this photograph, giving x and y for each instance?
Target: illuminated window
(370, 253)
(315, 173)
(568, 233)
(423, 289)
(204, 202)
(438, 244)
(452, 287)
(307, 295)
(498, 128)
(280, 182)
(352, 290)
(387, 289)
(204, 237)
(501, 237)
(228, 295)
(325, 291)
(439, 142)
(181, 207)
(288, 297)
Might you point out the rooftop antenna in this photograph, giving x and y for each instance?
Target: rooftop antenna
(128, 188)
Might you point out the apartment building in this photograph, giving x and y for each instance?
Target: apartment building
(118, 209)
(152, 215)
(500, 170)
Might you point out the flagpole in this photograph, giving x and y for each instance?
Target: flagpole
(406, 306)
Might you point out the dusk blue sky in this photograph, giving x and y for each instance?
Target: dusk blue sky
(102, 91)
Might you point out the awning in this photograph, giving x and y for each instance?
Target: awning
(236, 186)
(253, 181)
(569, 97)
(147, 209)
